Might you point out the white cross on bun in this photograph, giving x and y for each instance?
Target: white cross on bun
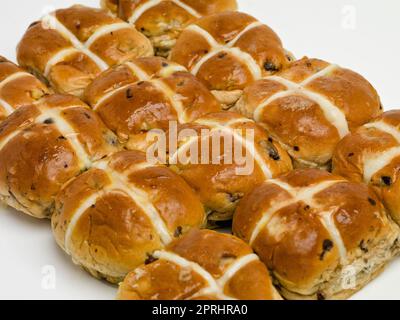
(371, 155)
(221, 184)
(148, 93)
(309, 107)
(70, 47)
(45, 144)
(112, 218)
(202, 265)
(162, 21)
(17, 88)
(229, 51)
(321, 236)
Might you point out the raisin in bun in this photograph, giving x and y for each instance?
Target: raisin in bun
(162, 21)
(223, 156)
(45, 144)
(17, 88)
(114, 216)
(69, 47)
(202, 265)
(309, 107)
(372, 155)
(229, 51)
(145, 94)
(321, 236)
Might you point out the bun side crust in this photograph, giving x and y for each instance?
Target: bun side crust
(113, 217)
(45, 144)
(371, 155)
(309, 107)
(201, 265)
(70, 47)
(321, 236)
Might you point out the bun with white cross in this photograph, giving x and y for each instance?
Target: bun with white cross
(309, 107)
(113, 217)
(202, 265)
(228, 51)
(70, 47)
(148, 93)
(162, 21)
(17, 88)
(45, 144)
(321, 236)
(220, 177)
(371, 155)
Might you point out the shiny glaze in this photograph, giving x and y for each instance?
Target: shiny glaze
(214, 254)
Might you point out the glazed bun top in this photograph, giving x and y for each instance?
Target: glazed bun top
(371, 155)
(163, 20)
(227, 156)
(17, 88)
(307, 223)
(146, 94)
(45, 144)
(71, 46)
(229, 50)
(112, 217)
(310, 106)
(203, 265)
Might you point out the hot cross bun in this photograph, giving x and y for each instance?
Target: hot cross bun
(372, 155)
(203, 265)
(45, 144)
(228, 51)
(114, 216)
(309, 107)
(17, 88)
(321, 236)
(162, 21)
(145, 94)
(220, 177)
(70, 47)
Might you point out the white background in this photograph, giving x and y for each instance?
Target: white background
(359, 34)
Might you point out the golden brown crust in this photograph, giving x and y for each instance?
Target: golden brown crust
(228, 51)
(213, 254)
(17, 88)
(70, 47)
(146, 94)
(113, 217)
(163, 21)
(310, 227)
(222, 184)
(45, 144)
(372, 155)
(301, 118)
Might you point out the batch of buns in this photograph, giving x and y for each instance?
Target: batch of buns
(316, 219)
